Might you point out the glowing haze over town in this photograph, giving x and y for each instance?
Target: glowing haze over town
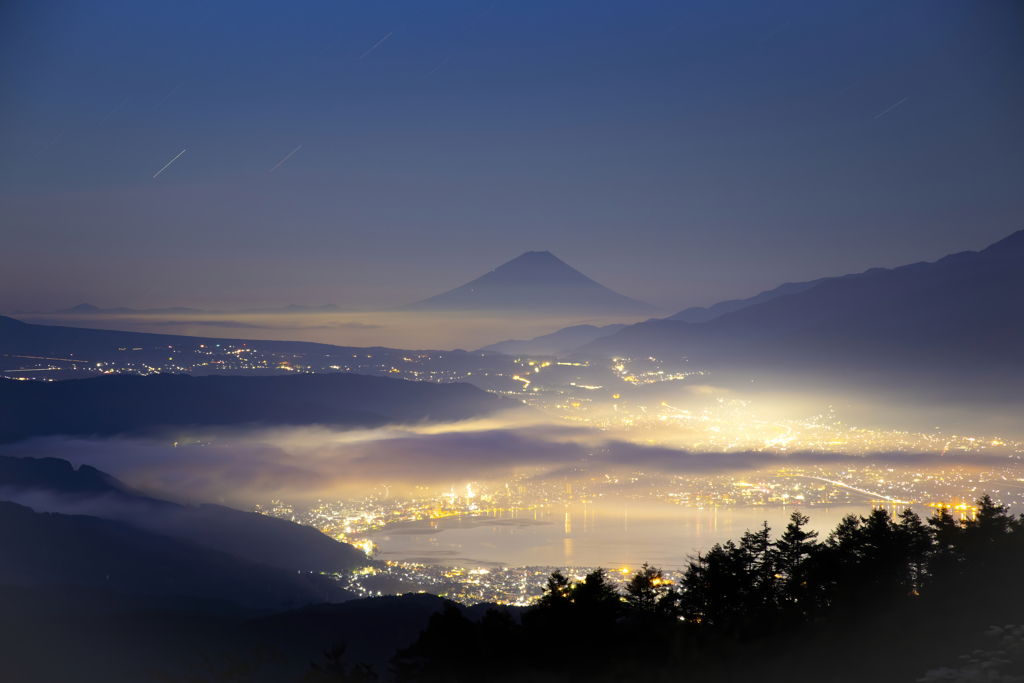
(392, 310)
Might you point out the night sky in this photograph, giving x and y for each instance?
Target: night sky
(374, 153)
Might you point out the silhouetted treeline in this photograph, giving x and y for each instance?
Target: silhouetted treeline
(733, 595)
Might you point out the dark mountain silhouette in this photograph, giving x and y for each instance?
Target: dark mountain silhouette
(298, 308)
(29, 340)
(51, 548)
(961, 314)
(89, 309)
(28, 343)
(697, 314)
(557, 342)
(390, 618)
(53, 485)
(58, 476)
(114, 404)
(535, 281)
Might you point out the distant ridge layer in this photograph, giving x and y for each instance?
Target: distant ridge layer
(960, 315)
(115, 404)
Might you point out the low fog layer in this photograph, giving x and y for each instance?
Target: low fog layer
(240, 468)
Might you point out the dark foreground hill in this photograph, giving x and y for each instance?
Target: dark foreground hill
(872, 602)
(51, 548)
(962, 315)
(537, 281)
(53, 485)
(104, 635)
(116, 404)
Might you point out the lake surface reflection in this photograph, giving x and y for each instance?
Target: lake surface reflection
(618, 533)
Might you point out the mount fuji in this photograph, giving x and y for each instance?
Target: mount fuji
(536, 281)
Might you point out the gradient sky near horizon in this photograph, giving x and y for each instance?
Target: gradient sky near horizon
(371, 154)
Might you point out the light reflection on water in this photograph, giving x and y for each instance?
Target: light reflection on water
(610, 534)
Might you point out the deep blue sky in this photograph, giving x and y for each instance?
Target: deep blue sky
(679, 152)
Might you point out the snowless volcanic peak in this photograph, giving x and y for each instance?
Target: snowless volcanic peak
(535, 281)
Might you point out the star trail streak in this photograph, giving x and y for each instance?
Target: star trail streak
(168, 164)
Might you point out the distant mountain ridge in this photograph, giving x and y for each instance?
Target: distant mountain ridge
(30, 339)
(962, 312)
(115, 404)
(534, 281)
(563, 340)
(697, 314)
(89, 309)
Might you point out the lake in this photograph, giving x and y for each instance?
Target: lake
(615, 533)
